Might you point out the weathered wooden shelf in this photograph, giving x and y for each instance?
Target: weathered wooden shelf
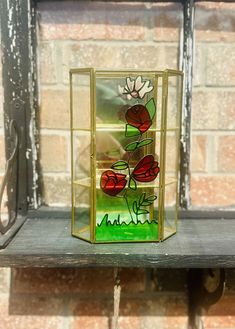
(45, 241)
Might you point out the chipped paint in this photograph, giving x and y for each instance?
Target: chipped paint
(33, 131)
(187, 67)
(20, 93)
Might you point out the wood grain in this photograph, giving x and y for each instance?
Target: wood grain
(45, 241)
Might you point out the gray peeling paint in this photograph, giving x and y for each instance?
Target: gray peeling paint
(18, 34)
(187, 67)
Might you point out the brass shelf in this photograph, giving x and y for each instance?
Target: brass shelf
(118, 128)
(86, 182)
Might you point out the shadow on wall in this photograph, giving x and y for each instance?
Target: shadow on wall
(75, 298)
(166, 15)
(85, 13)
(89, 292)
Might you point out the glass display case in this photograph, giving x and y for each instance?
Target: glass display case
(125, 141)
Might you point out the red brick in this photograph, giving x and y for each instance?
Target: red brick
(171, 153)
(133, 280)
(170, 281)
(222, 314)
(226, 153)
(99, 313)
(215, 22)
(81, 106)
(54, 153)
(170, 194)
(152, 321)
(168, 21)
(47, 60)
(176, 314)
(30, 313)
(90, 322)
(199, 66)
(87, 281)
(213, 109)
(198, 153)
(212, 190)
(119, 56)
(78, 21)
(59, 281)
(54, 109)
(56, 190)
(226, 109)
(205, 110)
(130, 314)
(160, 312)
(91, 314)
(220, 65)
(4, 280)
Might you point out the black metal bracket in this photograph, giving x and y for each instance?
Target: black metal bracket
(205, 288)
(10, 222)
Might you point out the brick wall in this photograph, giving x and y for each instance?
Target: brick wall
(75, 34)
(81, 34)
(213, 113)
(83, 298)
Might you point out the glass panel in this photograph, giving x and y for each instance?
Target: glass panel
(171, 181)
(172, 153)
(174, 102)
(127, 168)
(115, 93)
(213, 110)
(170, 210)
(81, 101)
(81, 211)
(118, 221)
(82, 156)
(81, 183)
(159, 101)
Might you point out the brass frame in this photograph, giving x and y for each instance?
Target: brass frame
(155, 75)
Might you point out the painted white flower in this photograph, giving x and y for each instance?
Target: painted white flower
(135, 88)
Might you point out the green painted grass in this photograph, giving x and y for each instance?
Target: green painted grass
(106, 231)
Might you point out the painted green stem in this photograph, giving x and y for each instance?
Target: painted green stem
(129, 209)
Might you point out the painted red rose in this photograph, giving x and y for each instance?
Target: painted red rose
(112, 183)
(146, 170)
(138, 116)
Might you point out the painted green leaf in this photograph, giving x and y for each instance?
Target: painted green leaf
(151, 198)
(146, 203)
(142, 211)
(151, 107)
(131, 131)
(145, 142)
(120, 165)
(142, 198)
(135, 208)
(131, 146)
(132, 184)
